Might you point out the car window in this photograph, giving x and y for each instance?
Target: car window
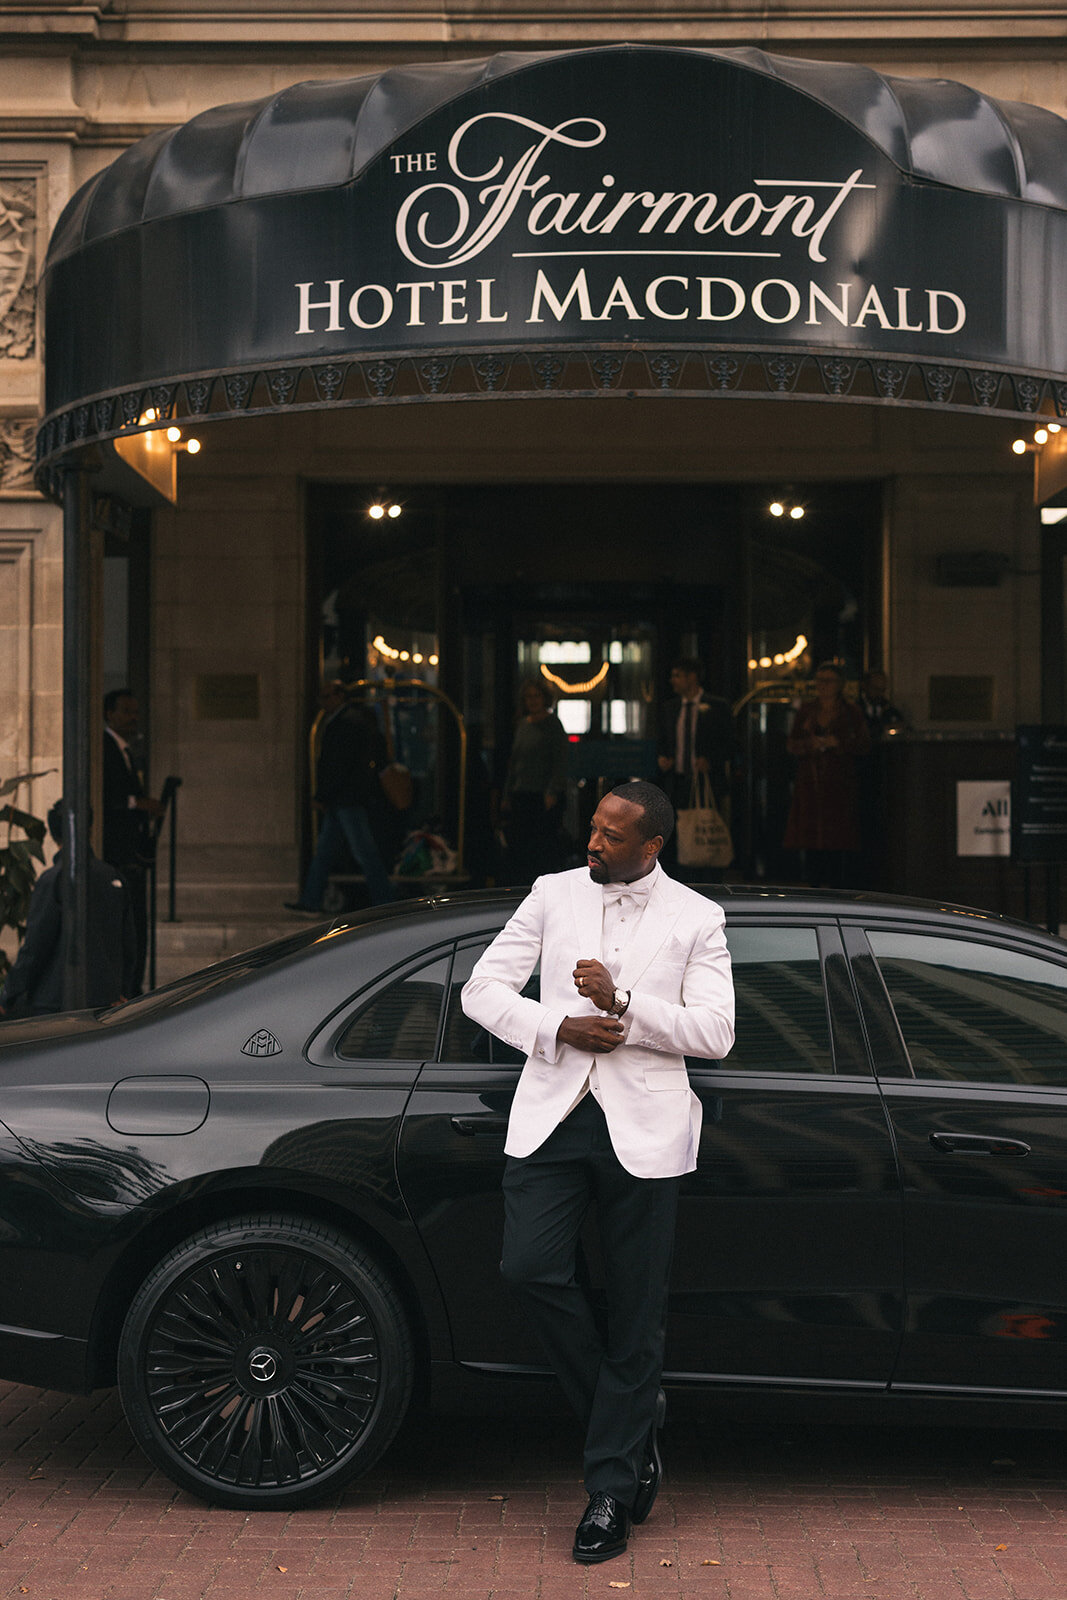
(399, 1022)
(975, 1012)
(782, 1023)
(464, 1040)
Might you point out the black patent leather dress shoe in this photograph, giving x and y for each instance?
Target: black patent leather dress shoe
(652, 1471)
(603, 1531)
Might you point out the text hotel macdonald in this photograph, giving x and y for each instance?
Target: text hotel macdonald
(445, 224)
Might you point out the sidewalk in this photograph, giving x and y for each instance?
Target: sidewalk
(487, 1508)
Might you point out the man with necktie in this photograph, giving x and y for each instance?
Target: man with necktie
(635, 976)
(695, 735)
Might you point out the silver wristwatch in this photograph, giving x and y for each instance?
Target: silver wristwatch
(619, 1002)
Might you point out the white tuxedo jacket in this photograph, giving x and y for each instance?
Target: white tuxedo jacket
(682, 1003)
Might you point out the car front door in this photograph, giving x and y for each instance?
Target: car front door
(973, 1063)
(788, 1258)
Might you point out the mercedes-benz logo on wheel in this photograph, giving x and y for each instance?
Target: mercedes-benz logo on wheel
(262, 1365)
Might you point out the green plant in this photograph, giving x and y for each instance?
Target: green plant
(17, 857)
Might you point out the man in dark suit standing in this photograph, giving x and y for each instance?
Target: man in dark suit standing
(35, 982)
(348, 791)
(128, 811)
(696, 735)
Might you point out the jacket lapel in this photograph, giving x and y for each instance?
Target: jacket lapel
(662, 912)
(587, 903)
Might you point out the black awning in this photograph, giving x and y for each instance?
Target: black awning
(647, 219)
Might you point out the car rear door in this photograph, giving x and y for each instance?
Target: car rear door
(787, 1262)
(972, 1057)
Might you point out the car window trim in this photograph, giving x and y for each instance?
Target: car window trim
(961, 936)
(467, 941)
(321, 1049)
(828, 943)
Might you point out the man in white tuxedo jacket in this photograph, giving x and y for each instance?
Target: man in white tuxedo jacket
(635, 976)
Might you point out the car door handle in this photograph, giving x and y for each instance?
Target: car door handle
(987, 1144)
(471, 1126)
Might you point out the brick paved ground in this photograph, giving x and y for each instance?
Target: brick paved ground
(487, 1509)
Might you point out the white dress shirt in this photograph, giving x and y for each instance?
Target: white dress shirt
(624, 905)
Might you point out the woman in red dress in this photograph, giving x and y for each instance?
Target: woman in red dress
(827, 735)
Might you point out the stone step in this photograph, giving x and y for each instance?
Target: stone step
(194, 942)
(209, 899)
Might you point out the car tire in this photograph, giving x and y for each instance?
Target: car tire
(265, 1362)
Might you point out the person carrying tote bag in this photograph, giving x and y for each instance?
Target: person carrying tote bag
(703, 836)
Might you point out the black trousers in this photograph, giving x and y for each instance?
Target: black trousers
(610, 1381)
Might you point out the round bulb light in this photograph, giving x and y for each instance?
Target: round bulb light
(193, 447)
(394, 510)
(376, 511)
(1019, 447)
(1041, 436)
(796, 513)
(776, 508)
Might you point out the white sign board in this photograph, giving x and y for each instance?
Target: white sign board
(983, 818)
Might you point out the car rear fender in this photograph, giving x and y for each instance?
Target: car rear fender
(178, 1215)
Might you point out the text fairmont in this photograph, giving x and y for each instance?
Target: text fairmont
(568, 297)
(749, 255)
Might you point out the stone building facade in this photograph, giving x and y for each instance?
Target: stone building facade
(229, 561)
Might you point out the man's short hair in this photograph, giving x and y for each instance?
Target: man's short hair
(657, 811)
(689, 664)
(112, 698)
(55, 821)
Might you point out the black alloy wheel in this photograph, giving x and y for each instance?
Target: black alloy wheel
(264, 1362)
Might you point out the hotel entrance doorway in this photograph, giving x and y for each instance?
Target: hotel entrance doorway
(594, 589)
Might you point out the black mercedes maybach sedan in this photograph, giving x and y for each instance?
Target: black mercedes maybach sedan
(266, 1198)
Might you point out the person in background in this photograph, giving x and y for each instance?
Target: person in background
(128, 814)
(695, 736)
(34, 986)
(352, 754)
(535, 785)
(827, 736)
(879, 713)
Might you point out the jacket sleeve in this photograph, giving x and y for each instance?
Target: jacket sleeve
(702, 1024)
(491, 996)
(43, 928)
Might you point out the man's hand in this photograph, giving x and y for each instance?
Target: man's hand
(594, 982)
(597, 1036)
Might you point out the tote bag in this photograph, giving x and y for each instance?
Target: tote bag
(703, 837)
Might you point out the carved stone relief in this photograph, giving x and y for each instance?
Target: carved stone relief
(16, 455)
(18, 294)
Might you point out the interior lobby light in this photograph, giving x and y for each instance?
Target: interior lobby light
(1041, 436)
(576, 688)
(383, 506)
(1019, 446)
(174, 434)
(193, 446)
(787, 507)
(784, 658)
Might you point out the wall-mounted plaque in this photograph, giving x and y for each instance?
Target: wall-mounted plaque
(227, 697)
(954, 699)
